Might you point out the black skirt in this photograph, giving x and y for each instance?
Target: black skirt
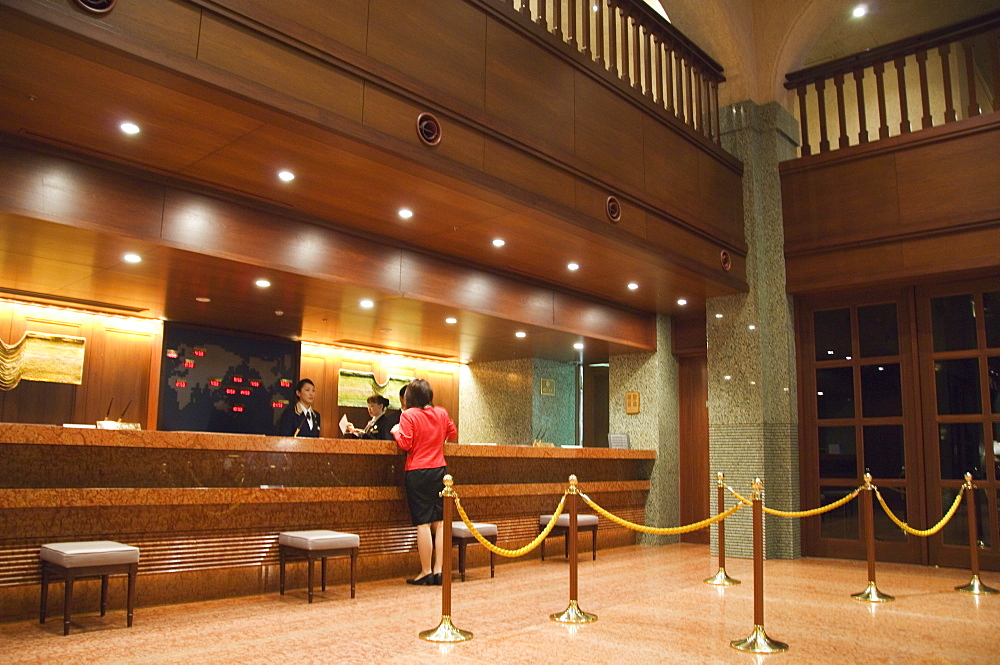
(422, 489)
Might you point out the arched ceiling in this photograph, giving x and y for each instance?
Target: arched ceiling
(758, 42)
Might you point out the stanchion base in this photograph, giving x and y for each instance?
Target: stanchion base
(977, 587)
(446, 632)
(759, 642)
(873, 595)
(573, 614)
(721, 578)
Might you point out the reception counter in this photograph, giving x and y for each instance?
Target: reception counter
(205, 509)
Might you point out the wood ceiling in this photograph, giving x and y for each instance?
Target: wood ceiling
(70, 94)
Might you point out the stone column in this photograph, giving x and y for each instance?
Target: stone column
(655, 427)
(752, 410)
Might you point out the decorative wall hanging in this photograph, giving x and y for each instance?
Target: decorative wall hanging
(42, 357)
(354, 388)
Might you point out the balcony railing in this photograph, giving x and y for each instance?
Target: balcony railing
(639, 48)
(942, 76)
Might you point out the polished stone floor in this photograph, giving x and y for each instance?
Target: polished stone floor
(651, 604)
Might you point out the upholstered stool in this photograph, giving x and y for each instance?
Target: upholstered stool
(318, 544)
(462, 536)
(583, 523)
(73, 561)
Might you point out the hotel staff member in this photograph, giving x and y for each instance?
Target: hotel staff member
(300, 419)
(381, 423)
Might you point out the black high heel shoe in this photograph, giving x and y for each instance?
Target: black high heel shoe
(437, 579)
(426, 580)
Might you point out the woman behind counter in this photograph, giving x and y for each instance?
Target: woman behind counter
(300, 419)
(422, 430)
(381, 423)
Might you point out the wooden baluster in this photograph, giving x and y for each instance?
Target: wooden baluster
(585, 12)
(526, 9)
(824, 141)
(904, 108)
(859, 84)
(647, 42)
(557, 18)
(613, 39)
(925, 97)
(949, 101)
(715, 107)
(658, 81)
(626, 62)
(599, 31)
(702, 103)
(883, 126)
(838, 83)
(636, 56)
(669, 54)
(543, 11)
(970, 73)
(802, 90)
(995, 52)
(571, 23)
(690, 95)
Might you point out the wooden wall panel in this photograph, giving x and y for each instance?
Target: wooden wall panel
(719, 200)
(672, 165)
(637, 330)
(531, 174)
(345, 21)
(119, 374)
(244, 53)
(166, 24)
(438, 42)
(606, 132)
(592, 201)
(397, 117)
(693, 460)
(684, 242)
(529, 89)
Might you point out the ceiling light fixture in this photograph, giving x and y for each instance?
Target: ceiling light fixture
(859, 11)
(499, 242)
(263, 283)
(367, 304)
(286, 176)
(578, 346)
(573, 266)
(129, 128)
(520, 334)
(132, 258)
(405, 213)
(451, 319)
(681, 302)
(632, 286)
(203, 299)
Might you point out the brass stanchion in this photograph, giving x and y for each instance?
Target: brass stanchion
(446, 631)
(573, 613)
(758, 641)
(975, 585)
(871, 594)
(722, 578)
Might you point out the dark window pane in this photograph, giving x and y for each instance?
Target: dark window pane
(993, 373)
(962, 450)
(958, 386)
(878, 334)
(884, 451)
(885, 528)
(832, 334)
(991, 309)
(956, 532)
(880, 391)
(835, 392)
(996, 449)
(840, 522)
(838, 456)
(954, 322)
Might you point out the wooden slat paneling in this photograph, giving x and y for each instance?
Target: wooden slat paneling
(607, 136)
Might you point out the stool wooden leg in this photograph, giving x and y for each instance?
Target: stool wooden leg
(566, 544)
(461, 559)
(595, 543)
(104, 595)
(132, 570)
(354, 567)
(67, 601)
(310, 579)
(543, 544)
(492, 557)
(43, 608)
(323, 571)
(281, 570)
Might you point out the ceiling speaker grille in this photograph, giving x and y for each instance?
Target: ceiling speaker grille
(428, 129)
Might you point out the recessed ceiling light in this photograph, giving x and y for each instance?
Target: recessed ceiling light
(385, 330)
(405, 213)
(859, 11)
(520, 333)
(279, 312)
(681, 302)
(367, 304)
(286, 176)
(632, 286)
(129, 128)
(451, 319)
(132, 258)
(203, 299)
(572, 266)
(578, 346)
(263, 283)
(499, 242)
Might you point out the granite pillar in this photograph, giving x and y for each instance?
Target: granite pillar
(655, 427)
(753, 419)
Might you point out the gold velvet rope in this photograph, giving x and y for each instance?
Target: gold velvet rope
(661, 531)
(802, 513)
(501, 551)
(920, 532)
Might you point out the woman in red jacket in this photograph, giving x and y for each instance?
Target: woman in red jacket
(423, 428)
